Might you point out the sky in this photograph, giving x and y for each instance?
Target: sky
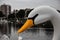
(19, 4)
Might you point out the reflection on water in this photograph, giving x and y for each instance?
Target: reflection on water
(8, 30)
(4, 37)
(40, 34)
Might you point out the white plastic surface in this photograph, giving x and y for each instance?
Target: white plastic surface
(47, 13)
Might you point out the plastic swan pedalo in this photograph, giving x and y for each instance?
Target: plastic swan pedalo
(40, 15)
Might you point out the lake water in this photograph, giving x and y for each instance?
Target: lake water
(33, 34)
(29, 34)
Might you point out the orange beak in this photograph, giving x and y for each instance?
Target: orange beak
(28, 24)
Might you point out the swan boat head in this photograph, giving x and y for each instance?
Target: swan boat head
(40, 15)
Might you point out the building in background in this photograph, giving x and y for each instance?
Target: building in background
(0, 8)
(6, 9)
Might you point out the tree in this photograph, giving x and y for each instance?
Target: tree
(11, 16)
(28, 11)
(1, 14)
(20, 14)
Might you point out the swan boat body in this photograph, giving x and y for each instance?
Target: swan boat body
(40, 15)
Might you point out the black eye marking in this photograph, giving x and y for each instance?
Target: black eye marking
(33, 17)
